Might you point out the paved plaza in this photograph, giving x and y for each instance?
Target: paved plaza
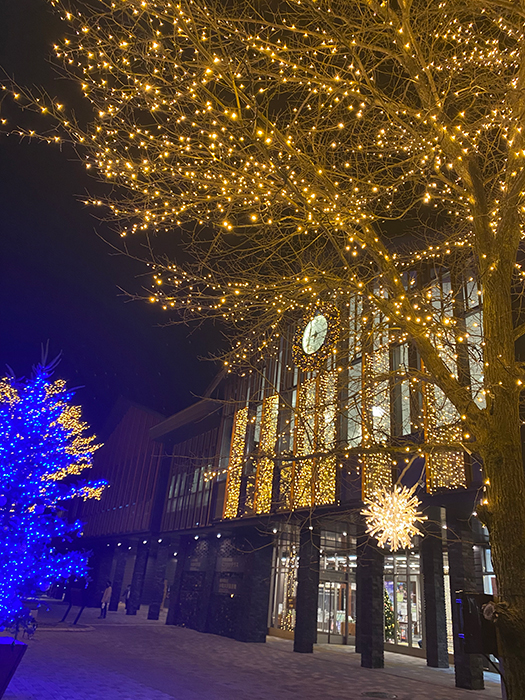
(131, 658)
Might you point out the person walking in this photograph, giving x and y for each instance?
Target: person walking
(104, 603)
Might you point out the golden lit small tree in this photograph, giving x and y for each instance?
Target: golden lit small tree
(305, 150)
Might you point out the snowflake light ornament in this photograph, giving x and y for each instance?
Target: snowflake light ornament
(392, 517)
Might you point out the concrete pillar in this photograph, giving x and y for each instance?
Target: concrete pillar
(371, 611)
(358, 616)
(252, 625)
(100, 572)
(137, 579)
(431, 554)
(468, 668)
(120, 566)
(182, 549)
(307, 590)
(157, 592)
(194, 576)
(210, 564)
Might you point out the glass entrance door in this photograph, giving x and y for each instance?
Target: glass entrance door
(403, 611)
(332, 615)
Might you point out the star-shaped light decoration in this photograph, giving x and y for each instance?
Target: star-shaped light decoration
(392, 517)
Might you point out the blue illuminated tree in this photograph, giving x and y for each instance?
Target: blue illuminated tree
(43, 449)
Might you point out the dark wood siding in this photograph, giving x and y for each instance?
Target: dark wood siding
(130, 462)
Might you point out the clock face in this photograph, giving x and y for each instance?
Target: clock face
(316, 337)
(314, 334)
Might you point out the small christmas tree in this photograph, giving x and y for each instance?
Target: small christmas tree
(390, 622)
(43, 447)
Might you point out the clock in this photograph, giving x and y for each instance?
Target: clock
(316, 337)
(315, 334)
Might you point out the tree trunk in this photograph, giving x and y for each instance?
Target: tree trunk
(501, 450)
(506, 522)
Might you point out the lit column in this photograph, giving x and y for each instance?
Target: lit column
(236, 464)
(265, 466)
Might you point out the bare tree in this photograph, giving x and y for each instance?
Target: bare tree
(305, 150)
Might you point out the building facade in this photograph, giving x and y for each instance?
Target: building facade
(258, 527)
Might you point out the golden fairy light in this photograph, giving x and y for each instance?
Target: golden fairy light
(392, 517)
(284, 151)
(265, 466)
(236, 463)
(290, 141)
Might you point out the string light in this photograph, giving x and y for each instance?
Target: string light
(445, 469)
(42, 442)
(265, 465)
(274, 141)
(317, 360)
(312, 479)
(303, 470)
(273, 137)
(377, 474)
(326, 466)
(236, 463)
(392, 516)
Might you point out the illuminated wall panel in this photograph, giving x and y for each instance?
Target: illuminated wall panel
(445, 470)
(304, 444)
(326, 467)
(377, 474)
(376, 468)
(236, 463)
(265, 466)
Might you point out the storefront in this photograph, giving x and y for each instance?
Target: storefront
(281, 620)
(337, 588)
(403, 601)
(336, 607)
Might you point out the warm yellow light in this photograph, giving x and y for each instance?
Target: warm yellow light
(392, 517)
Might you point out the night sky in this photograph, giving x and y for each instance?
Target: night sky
(60, 279)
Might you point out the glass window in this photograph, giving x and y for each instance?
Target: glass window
(489, 579)
(474, 327)
(336, 610)
(402, 600)
(286, 561)
(337, 590)
(448, 605)
(472, 294)
(400, 391)
(257, 426)
(354, 416)
(378, 391)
